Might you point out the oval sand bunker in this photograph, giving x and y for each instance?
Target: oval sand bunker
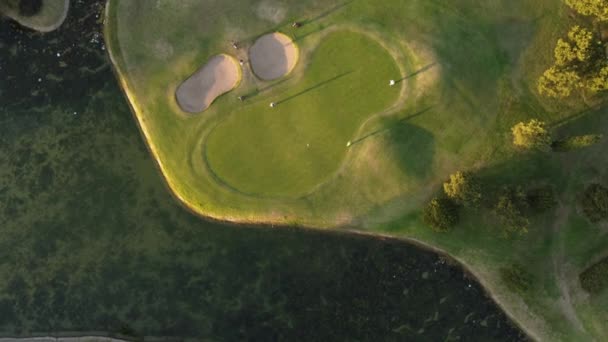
(273, 56)
(219, 76)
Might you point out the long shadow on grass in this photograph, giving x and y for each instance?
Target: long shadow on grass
(413, 148)
(579, 115)
(419, 71)
(390, 126)
(316, 86)
(328, 12)
(258, 91)
(251, 39)
(316, 30)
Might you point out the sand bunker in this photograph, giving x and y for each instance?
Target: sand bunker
(273, 56)
(219, 76)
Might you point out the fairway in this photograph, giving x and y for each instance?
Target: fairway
(287, 150)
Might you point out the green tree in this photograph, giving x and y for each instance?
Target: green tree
(564, 53)
(464, 188)
(510, 208)
(580, 61)
(576, 142)
(597, 8)
(595, 202)
(558, 83)
(581, 48)
(441, 214)
(595, 279)
(599, 82)
(516, 278)
(532, 134)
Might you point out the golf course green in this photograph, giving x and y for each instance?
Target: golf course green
(287, 150)
(378, 106)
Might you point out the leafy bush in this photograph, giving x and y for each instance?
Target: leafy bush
(595, 202)
(532, 134)
(597, 8)
(510, 208)
(441, 214)
(574, 143)
(595, 279)
(516, 278)
(464, 188)
(580, 63)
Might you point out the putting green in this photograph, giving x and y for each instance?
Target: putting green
(287, 150)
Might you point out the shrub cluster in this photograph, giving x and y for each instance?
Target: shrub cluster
(531, 135)
(575, 143)
(441, 214)
(514, 205)
(511, 208)
(464, 188)
(595, 279)
(516, 278)
(597, 8)
(580, 63)
(511, 205)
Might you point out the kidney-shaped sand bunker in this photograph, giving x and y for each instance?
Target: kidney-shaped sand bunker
(273, 56)
(219, 76)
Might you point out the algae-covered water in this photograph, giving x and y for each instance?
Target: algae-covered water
(90, 239)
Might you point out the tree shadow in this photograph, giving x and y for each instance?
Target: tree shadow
(419, 71)
(249, 40)
(314, 87)
(327, 13)
(259, 91)
(316, 30)
(390, 126)
(413, 149)
(579, 115)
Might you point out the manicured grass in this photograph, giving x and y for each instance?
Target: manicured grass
(287, 150)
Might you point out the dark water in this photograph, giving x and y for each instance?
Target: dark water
(91, 240)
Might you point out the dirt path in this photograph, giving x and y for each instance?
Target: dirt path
(565, 302)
